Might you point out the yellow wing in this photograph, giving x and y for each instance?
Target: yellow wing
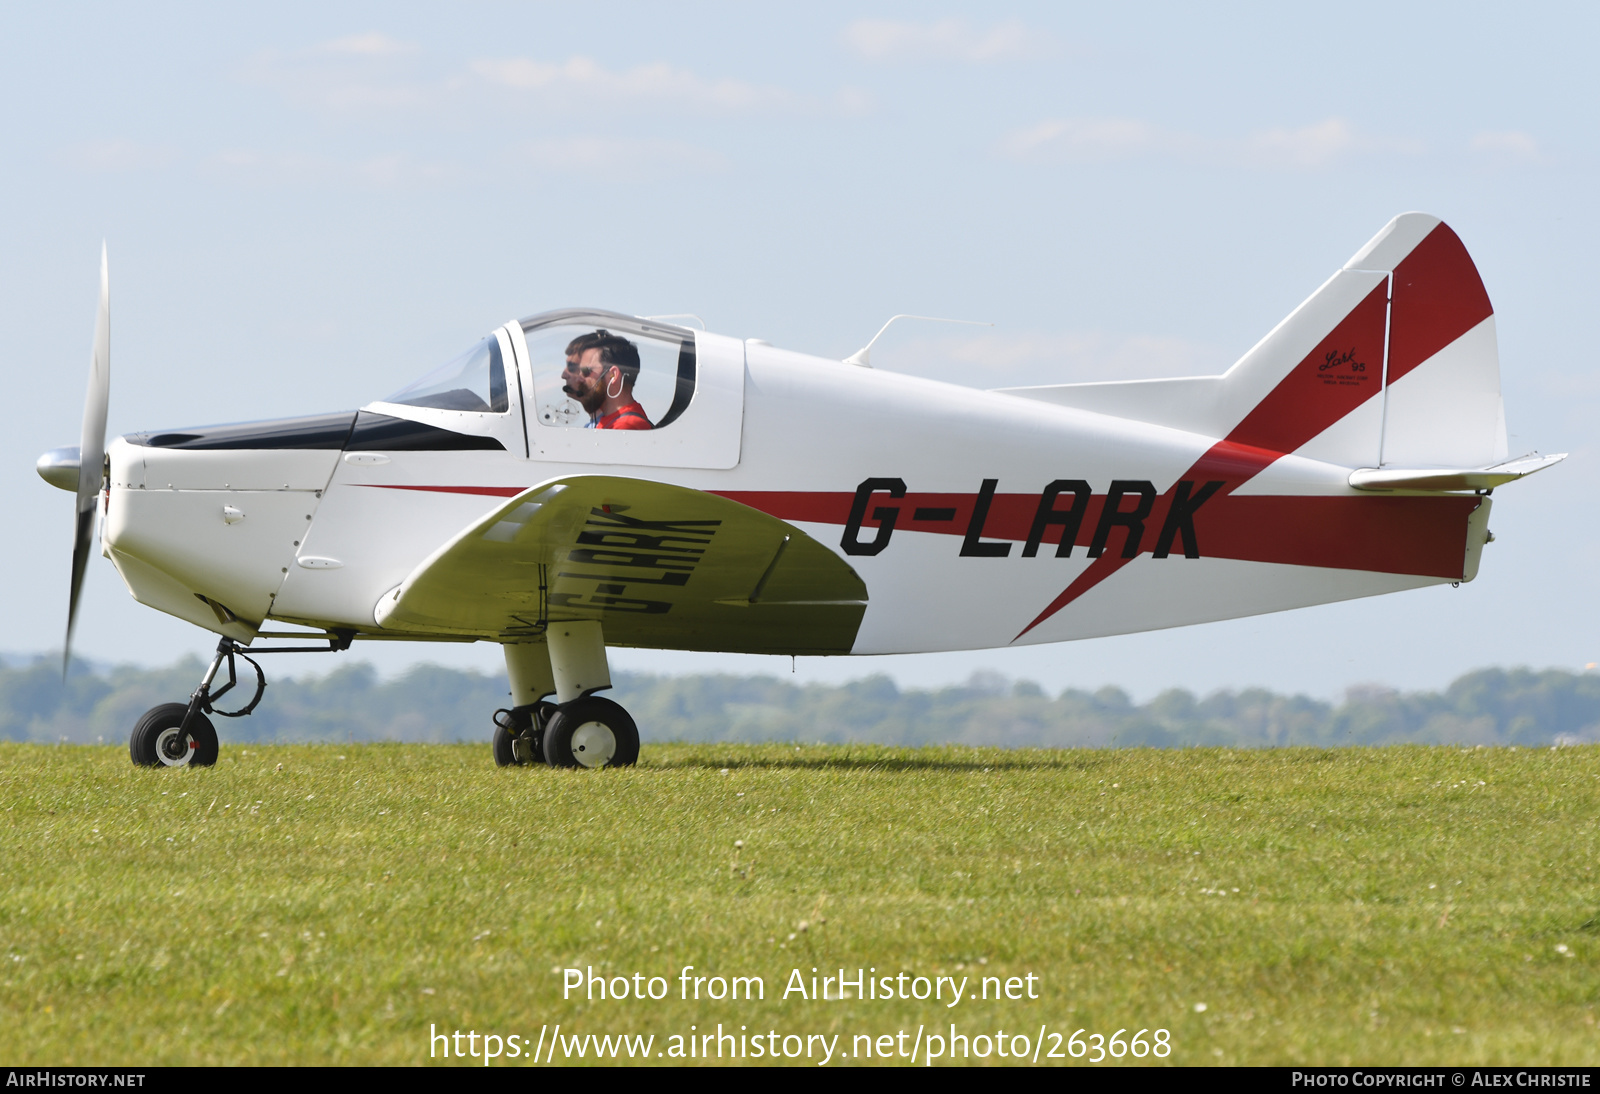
(660, 566)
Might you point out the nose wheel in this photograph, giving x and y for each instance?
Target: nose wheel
(180, 734)
(160, 739)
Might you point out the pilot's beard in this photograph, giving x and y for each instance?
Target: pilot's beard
(591, 404)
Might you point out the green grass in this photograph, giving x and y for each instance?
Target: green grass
(325, 904)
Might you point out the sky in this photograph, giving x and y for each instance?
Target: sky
(308, 205)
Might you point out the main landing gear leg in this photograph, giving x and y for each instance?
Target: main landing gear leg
(586, 730)
(519, 732)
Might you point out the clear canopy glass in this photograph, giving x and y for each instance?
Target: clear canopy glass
(475, 381)
(663, 387)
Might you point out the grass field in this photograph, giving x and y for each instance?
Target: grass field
(327, 904)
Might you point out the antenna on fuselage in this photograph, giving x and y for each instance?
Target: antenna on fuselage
(863, 356)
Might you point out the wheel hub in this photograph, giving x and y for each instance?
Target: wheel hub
(175, 749)
(522, 748)
(593, 744)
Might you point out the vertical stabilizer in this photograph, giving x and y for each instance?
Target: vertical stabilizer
(1391, 362)
(1442, 402)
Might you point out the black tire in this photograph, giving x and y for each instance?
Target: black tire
(151, 744)
(504, 750)
(591, 732)
(521, 730)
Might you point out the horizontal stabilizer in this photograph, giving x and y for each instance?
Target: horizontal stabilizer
(1451, 479)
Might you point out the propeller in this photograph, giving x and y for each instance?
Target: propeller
(91, 451)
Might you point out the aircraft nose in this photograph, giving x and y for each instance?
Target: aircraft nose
(59, 468)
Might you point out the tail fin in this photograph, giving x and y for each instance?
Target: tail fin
(1393, 361)
(1442, 396)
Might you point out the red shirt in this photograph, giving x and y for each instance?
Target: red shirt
(629, 417)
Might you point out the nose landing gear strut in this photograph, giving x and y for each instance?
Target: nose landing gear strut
(180, 734)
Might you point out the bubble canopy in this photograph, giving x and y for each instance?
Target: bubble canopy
(663, 386)
(474, 381)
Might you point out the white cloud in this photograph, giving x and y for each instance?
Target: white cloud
(373, 74)
(605, 159)
(1308, 146)
(945, 40)
(1316, 145)
(371, 44)
(657, 82)
(620, 159)
(120, 155)
(268, 168)
(1103, 140)
(1087, 139)
(853, 101)
(342, 78)
(1507, 146)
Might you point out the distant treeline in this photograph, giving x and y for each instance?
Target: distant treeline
(431, 703)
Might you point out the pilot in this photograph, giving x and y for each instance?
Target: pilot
(601, 369)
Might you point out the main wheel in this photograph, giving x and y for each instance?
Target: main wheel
(591, 732)
(156, 741)
(519, 734)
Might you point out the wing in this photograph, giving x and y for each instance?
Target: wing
(661, 566)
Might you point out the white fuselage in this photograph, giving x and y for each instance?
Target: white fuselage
(229, 538)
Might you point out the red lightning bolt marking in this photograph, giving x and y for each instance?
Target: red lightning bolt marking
(1438, 297)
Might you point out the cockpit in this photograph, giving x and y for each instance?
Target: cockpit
(662, 382)
(665, 380)
(569, 384)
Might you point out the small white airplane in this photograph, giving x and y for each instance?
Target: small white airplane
(728, 495)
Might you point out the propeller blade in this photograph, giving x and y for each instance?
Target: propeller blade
(92, 451)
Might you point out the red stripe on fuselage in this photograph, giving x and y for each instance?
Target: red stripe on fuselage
(1342, 372)
(1392, 535)
(486, 491)
(1397, 535)
(1438, 297)
(1425, 536)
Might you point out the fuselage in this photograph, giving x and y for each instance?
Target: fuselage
(950, 503)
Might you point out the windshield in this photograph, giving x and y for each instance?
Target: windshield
(475, 381)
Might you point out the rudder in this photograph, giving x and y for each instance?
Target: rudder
(1442, 402)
